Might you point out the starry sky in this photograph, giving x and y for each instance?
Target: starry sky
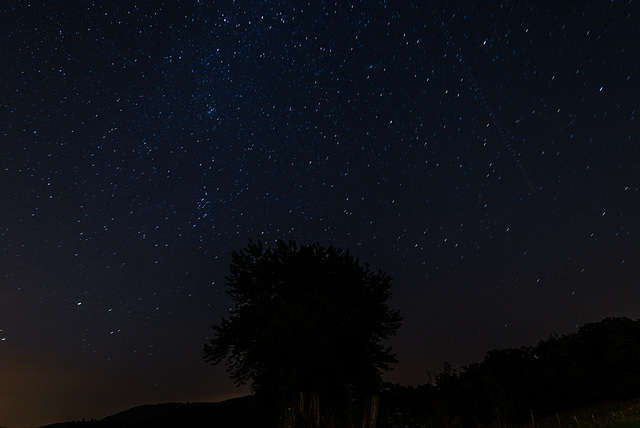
(484, 154)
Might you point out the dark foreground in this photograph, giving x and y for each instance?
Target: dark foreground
(246, 412)
(539, 386)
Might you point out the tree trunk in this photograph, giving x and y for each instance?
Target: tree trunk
(302, 403)
(314, 408)
(370, 416)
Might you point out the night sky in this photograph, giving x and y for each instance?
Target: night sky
(484, 154)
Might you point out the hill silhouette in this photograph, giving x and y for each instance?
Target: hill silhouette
(234, 413)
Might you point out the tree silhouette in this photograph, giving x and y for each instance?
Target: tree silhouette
(308, 318)
(596, 364)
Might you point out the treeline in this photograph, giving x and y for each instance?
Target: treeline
(598, 363)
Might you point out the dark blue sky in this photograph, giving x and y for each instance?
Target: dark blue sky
(141, 144)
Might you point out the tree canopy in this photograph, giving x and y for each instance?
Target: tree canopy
(305, 318)
(596, 364)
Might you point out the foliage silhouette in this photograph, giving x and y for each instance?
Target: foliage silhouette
(596, 364)
(307, 318)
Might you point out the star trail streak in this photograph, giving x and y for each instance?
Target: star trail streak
(480, 95)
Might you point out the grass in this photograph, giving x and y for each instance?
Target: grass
(624, 414)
